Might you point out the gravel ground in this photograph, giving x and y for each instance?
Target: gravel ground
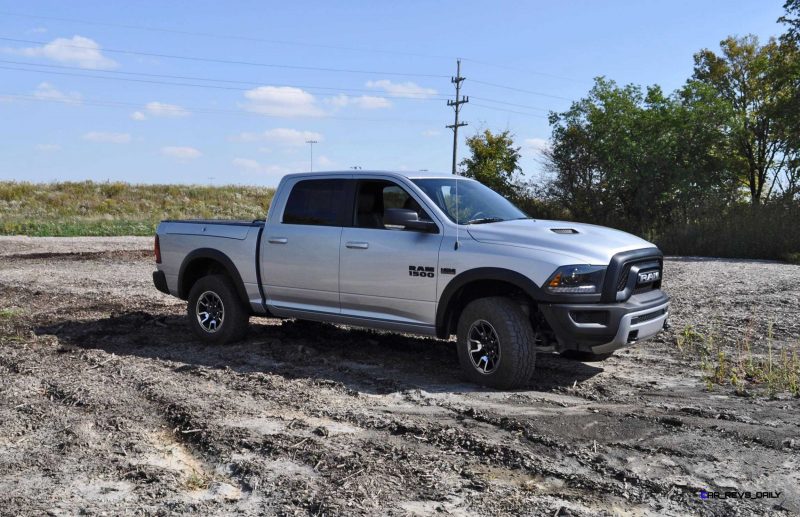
(108, 405)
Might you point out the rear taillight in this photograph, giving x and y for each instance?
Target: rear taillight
(157, 250)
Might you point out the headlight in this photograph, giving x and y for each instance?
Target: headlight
(580, 279)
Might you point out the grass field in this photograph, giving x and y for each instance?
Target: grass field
(109, 209)
(104, 209)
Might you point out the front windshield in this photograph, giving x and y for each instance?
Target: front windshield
(475, 204)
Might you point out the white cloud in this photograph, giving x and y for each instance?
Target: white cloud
(78, 50)
(48, 148)
(431, 132)
(252, 166)
(138, 115)
(47, 91)
(364, 102)
(37, 30)
(280, 136)
(181, 153)
(282, 101)
(162, 109)
(407, 89)
(537, 145)
(107, 138)
(246, 163)
(324, 161)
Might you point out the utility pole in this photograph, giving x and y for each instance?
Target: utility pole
(311, 154)
(457, 107)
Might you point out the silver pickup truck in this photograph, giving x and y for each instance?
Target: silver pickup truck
(419, 253)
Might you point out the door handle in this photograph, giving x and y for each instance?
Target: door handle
(357, 245)
(277, 240)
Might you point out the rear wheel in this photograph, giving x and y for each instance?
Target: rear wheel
(216, 313)
(496, 343)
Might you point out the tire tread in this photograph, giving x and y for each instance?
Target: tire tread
(520, 343)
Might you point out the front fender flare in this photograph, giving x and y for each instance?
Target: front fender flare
(449, 296)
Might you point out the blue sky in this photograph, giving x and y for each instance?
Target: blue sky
(368, 80)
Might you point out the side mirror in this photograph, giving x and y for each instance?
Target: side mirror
(408, 219)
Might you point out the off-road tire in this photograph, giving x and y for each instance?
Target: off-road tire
(516, 342)
(235, 320)
(586, 357)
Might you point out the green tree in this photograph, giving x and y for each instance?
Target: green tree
(792, 19)
(494, 161)
(640, 159)
(754, 83)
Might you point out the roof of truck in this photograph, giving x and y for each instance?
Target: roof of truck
(359, 172)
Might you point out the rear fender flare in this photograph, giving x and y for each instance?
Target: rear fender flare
(222, 259)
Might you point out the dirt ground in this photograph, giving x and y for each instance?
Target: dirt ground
(109, 406)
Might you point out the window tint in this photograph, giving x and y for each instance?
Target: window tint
(375, 196)
(316, 202)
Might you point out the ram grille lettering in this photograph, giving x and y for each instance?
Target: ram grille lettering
(649, 276)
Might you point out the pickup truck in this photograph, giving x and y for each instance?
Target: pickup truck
(418, 253)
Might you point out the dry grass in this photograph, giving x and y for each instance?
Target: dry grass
(737, 366)
(88, 208)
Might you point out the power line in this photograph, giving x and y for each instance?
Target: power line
(534, 115)
(91, 75)
(512, 88)
(229, 61)
(225, 36)
(234, 88)
(526, 70)
(286, 42)
(122, 104)
(547, 110)
(206, 79)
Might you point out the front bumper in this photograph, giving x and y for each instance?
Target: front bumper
(601, 328)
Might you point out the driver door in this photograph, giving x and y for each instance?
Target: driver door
(387, 273)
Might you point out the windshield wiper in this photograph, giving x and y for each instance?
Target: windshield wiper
(483, 220)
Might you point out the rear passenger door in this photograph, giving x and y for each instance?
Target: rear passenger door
(300, 246)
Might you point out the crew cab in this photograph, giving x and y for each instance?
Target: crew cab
(421, 253)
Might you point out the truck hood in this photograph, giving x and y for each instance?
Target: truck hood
(590, 245)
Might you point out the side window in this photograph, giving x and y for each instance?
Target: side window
(375, 196)
(316, 202)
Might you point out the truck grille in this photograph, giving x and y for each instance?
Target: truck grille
(626, 265)
(623, 277)
(626, 273)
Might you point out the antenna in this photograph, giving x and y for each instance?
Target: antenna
(456, 104)
(458, 216)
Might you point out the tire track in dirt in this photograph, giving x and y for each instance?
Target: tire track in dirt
(322, 419)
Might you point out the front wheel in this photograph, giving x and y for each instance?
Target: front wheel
(216, 313)
(496, 343)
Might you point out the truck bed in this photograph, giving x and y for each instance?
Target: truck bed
(226, 222)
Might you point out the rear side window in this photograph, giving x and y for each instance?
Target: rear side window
(316, 202)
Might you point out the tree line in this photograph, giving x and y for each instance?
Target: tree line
(711, 168)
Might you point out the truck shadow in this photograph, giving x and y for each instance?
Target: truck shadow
(361, 360)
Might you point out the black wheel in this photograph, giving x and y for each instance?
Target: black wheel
(496, 344)
(216, 313)
(586, 357)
